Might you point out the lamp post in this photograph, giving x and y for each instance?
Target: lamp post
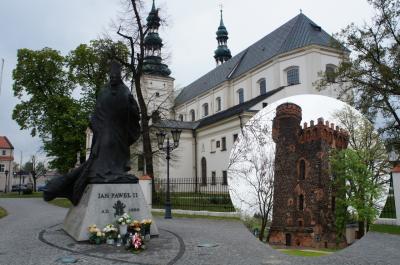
(168, 147)
(6, 187)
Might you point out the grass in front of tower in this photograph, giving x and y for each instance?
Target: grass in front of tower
(305, 252)
(3, 213)
(389, 229)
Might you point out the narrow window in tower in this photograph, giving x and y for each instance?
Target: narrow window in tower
(330, 73)
(181, 117)
(333, 204)
(302, 170)
(240, 93)
(224, 177)
(205, 109)
(218, 104)
(263, 86)
(192, 115)
(301, 202)
(223, 144)
(213, 178)
(293, 76)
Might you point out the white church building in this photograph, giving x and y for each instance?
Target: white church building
(212, 109)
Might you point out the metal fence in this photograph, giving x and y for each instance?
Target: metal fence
(188, 194)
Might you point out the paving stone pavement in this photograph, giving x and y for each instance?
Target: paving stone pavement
(31, 235)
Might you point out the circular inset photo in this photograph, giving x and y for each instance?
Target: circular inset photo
(309, 172)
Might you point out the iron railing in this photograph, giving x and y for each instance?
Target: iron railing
(188, 194)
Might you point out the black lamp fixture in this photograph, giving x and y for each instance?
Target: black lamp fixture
(168, 147)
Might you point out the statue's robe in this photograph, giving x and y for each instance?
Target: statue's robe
(115, 126)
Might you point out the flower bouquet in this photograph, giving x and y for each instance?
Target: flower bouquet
(95, 235)
(145, 225)
(111, 233)
(135, 227)
(135, 243)
(123, 222)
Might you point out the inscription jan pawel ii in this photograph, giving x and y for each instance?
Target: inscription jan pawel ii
(117, 195)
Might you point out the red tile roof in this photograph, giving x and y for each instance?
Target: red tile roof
(5, 143)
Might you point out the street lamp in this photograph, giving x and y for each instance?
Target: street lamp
(5, 187)
(168, 148)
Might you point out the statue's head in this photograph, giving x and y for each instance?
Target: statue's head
(115, 73)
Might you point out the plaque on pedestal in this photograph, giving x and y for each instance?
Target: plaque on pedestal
(101, 204)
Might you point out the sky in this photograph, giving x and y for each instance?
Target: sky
(189, 35)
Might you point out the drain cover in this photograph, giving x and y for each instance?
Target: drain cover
(67, 260)
(207, 245)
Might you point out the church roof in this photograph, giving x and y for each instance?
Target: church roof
(298, 32)
(235, 110)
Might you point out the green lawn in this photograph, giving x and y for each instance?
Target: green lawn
(3, 213)
(390, 229)
(196, 201)
(15, 195)
(303, 253)
(61, 202)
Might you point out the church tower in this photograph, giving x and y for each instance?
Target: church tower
(304, 197)
(157, 83)
(222, 53)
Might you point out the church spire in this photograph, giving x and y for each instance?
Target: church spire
(222, 53)
(153, 43)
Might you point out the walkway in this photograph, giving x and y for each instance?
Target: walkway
(31, 234)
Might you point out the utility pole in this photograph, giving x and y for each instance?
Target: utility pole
(20, 175)
(1, 72)
(33, 172)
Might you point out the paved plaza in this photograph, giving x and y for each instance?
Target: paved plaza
(32, 234)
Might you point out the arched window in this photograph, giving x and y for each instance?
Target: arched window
(192, 115)
(218, 103)
(180, 117)
(330, 72)
(263, 86)
(240, 93)
(203, 171)
(302, 170)
(205, 109)
(293, 76)
(301, 202)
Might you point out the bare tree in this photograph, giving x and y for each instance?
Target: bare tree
(133, 29)
(251, 169)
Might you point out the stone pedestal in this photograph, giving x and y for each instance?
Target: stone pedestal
(102, 203)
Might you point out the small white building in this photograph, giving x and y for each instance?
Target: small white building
(6, 164)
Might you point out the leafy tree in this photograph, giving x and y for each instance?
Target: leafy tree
(370, 78)
(44, 81)
(354, 187)
(368, 144)
(89, 67)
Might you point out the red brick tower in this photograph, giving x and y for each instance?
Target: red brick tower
(304, 199)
